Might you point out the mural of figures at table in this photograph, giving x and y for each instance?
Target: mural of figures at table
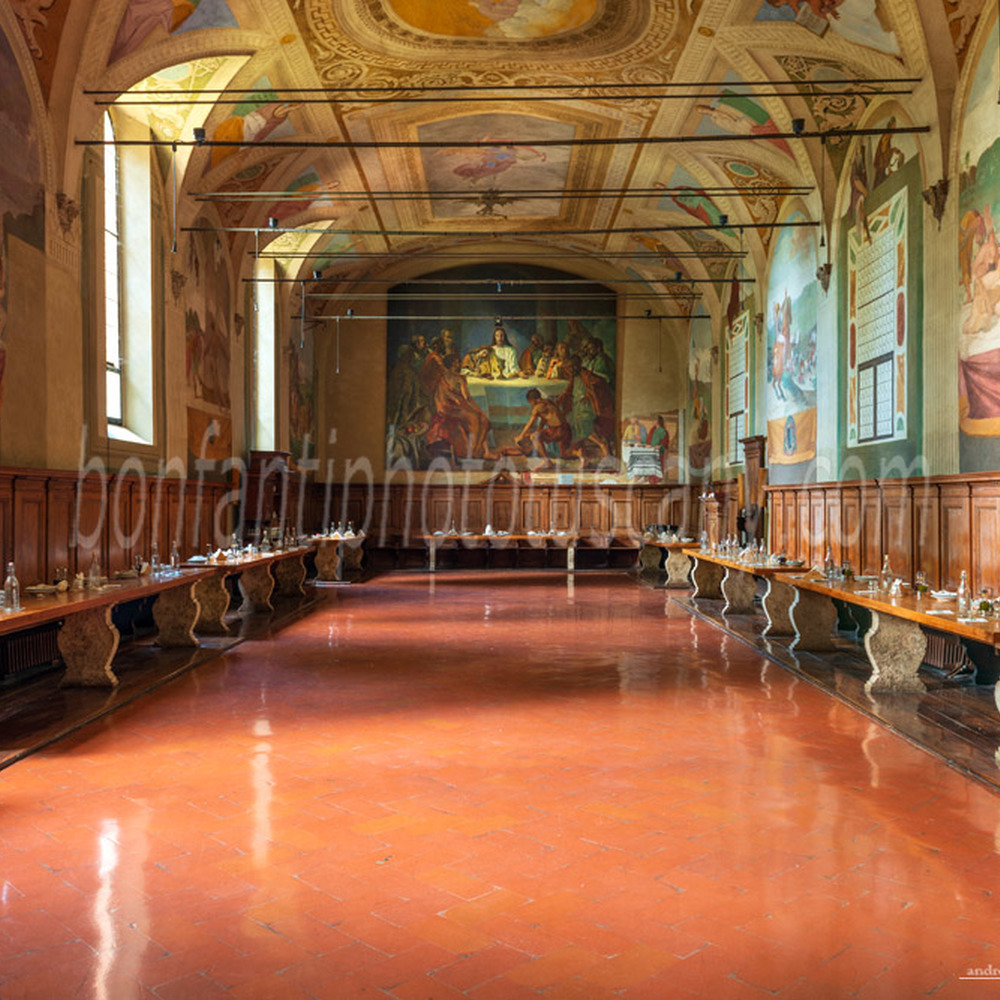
(790, 369)
(979, 270)
(22, 206)
(700, 373)
(491, 377)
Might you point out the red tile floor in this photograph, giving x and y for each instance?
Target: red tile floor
(494, 786)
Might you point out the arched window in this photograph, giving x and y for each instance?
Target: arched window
(265, 370)
(113, 346)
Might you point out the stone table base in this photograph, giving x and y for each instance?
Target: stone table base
(256, 586)
(650, 559)
(88, 642)
(707, 578)
(678, 569)
(213, 599)
(813, 618)
(895, 648)
(739, 589)
(777, 602)
(290, 575)
(352, 556)
(328, 561)
(175, 613)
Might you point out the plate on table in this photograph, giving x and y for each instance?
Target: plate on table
(944, 595)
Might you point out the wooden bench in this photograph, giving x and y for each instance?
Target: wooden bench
(896, 642)
(88, 640)
(735, 582)
(259, 576)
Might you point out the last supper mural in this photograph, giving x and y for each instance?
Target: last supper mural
(501, 364)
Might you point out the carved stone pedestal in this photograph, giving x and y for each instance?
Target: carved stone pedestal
(290, 575)
(328, 561)
(88, 642)
(175, 613)
(650, 559)
(256, 585)
(895, 648)
(777, 602)
(213, 603)
(678, 569)
(739, 589)
(352, 557)
(707, 578)
(813, 618)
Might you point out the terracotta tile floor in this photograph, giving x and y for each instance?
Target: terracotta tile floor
(492, 785)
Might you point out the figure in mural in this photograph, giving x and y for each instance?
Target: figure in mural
(546, 426)
(985, 278)
(782, 343)
(859, 191)
(495, 360)
(972, 234)
(250, 123)
(589, 404)
(489, 161)
(143, 17)
(559, 366)
(741, 116)
(660, 438)
(456, 422)
(888, 157)
(532, 354)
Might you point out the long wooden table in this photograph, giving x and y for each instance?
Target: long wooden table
(569, 542)
(895, 643)
(677, 564)
(735, 582)
(259, 576)
(88, 640)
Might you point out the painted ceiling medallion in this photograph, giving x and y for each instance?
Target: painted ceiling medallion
(509, 20)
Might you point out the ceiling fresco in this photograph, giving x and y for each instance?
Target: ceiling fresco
(512, 20)
(555, 125)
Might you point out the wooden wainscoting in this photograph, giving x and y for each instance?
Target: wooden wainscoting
(940, 524)
(51, 518)
(397, 513)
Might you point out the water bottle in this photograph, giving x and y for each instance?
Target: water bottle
(885, 577)
(963, 594)
(154, 560)
(11, 590)
(93, 575)
(175, 558)
(828, 564)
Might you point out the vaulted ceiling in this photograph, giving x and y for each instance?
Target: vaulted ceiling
(544, 127)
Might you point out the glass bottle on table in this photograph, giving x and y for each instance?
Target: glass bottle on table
(828, 564)
(154, 560)
(93, 574)
(885, 577)
(963, 594)
(11, 590)
(175, 558)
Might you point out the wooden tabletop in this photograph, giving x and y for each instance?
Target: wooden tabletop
(241, 563)
(672, 546)
(907, 605)
(494, 539)
(757, 569)
(37, 609)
